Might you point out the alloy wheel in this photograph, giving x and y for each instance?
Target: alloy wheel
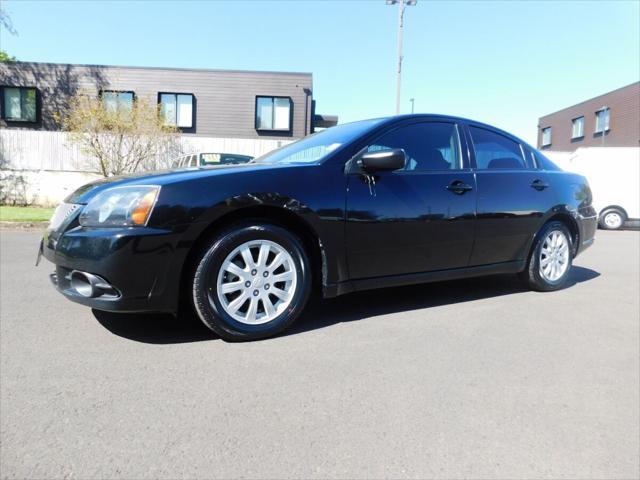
(554, 256)
(257, 282)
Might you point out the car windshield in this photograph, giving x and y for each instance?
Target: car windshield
(317, 147)
(223, 158)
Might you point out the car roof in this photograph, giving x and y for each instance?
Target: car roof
(438, 116)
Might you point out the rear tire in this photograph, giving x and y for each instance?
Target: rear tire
(251, 282)
(612, 219)
(550, 260)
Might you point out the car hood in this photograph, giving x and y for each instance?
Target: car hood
(165, 177)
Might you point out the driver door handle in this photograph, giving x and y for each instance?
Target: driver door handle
(459, 187)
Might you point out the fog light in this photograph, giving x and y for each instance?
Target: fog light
(90, 286)
(82, 285)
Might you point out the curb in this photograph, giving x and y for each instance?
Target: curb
(34, 226)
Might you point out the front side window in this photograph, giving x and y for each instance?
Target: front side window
(19, 104)
(602, 120)
(577, 127)
(495, 151)
(116, 101)
(176, 109)
(273, 113)
(546, 137)
(428, 146)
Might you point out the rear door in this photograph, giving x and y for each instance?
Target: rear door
(513, 196)
(418, 219)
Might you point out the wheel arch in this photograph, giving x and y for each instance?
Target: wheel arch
(568, 221)
(614, 206)
(572, 225)
(277, 215)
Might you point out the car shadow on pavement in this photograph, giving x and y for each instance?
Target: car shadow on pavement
(371, 303)
(157, 328)
(319, 313)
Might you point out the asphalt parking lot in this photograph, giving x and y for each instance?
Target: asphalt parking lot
(474, 379)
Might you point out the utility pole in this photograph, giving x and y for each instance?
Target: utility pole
(412, 100)
(401, 6)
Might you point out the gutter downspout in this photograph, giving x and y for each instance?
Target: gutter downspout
(307, 120)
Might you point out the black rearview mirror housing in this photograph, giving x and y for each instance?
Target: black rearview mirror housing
(383, 160)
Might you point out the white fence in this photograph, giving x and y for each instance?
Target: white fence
(42, 168)
(52, 151)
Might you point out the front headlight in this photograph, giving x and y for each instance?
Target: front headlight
(128, 206)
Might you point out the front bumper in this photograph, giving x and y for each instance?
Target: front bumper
(143, 265)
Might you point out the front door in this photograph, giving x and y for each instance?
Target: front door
(417, 219)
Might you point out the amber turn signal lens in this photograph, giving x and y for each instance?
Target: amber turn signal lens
(141, 212)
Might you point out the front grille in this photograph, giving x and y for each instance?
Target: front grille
(62, 212)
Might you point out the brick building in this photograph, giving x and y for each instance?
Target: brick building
(609, 120)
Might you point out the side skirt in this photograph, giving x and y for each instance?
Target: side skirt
(335, 290)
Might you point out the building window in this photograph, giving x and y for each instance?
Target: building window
(546, 137)
(577, 127)
(176, 109)
(19, 104)
(117, 101)
(602, 120)
(273, 113)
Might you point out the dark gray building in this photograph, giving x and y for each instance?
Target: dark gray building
(211, 103)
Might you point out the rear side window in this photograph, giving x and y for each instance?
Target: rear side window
(428, 146)
(495, 151)
(544, 163)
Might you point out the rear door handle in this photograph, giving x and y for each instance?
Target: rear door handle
(459, 187)
(539, 185)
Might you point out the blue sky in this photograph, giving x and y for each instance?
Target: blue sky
(505, 63)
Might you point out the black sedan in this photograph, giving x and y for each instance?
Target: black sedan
(363, 205)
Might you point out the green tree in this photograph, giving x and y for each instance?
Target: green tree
(5, 21)
(5, 57)
(122, 139)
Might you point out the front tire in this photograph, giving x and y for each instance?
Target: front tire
(612, 219)
(550, 260)
(251, 282)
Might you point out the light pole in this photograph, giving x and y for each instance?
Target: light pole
(401, 6)
(412, 100)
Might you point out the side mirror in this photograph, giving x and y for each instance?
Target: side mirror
(383, 160)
